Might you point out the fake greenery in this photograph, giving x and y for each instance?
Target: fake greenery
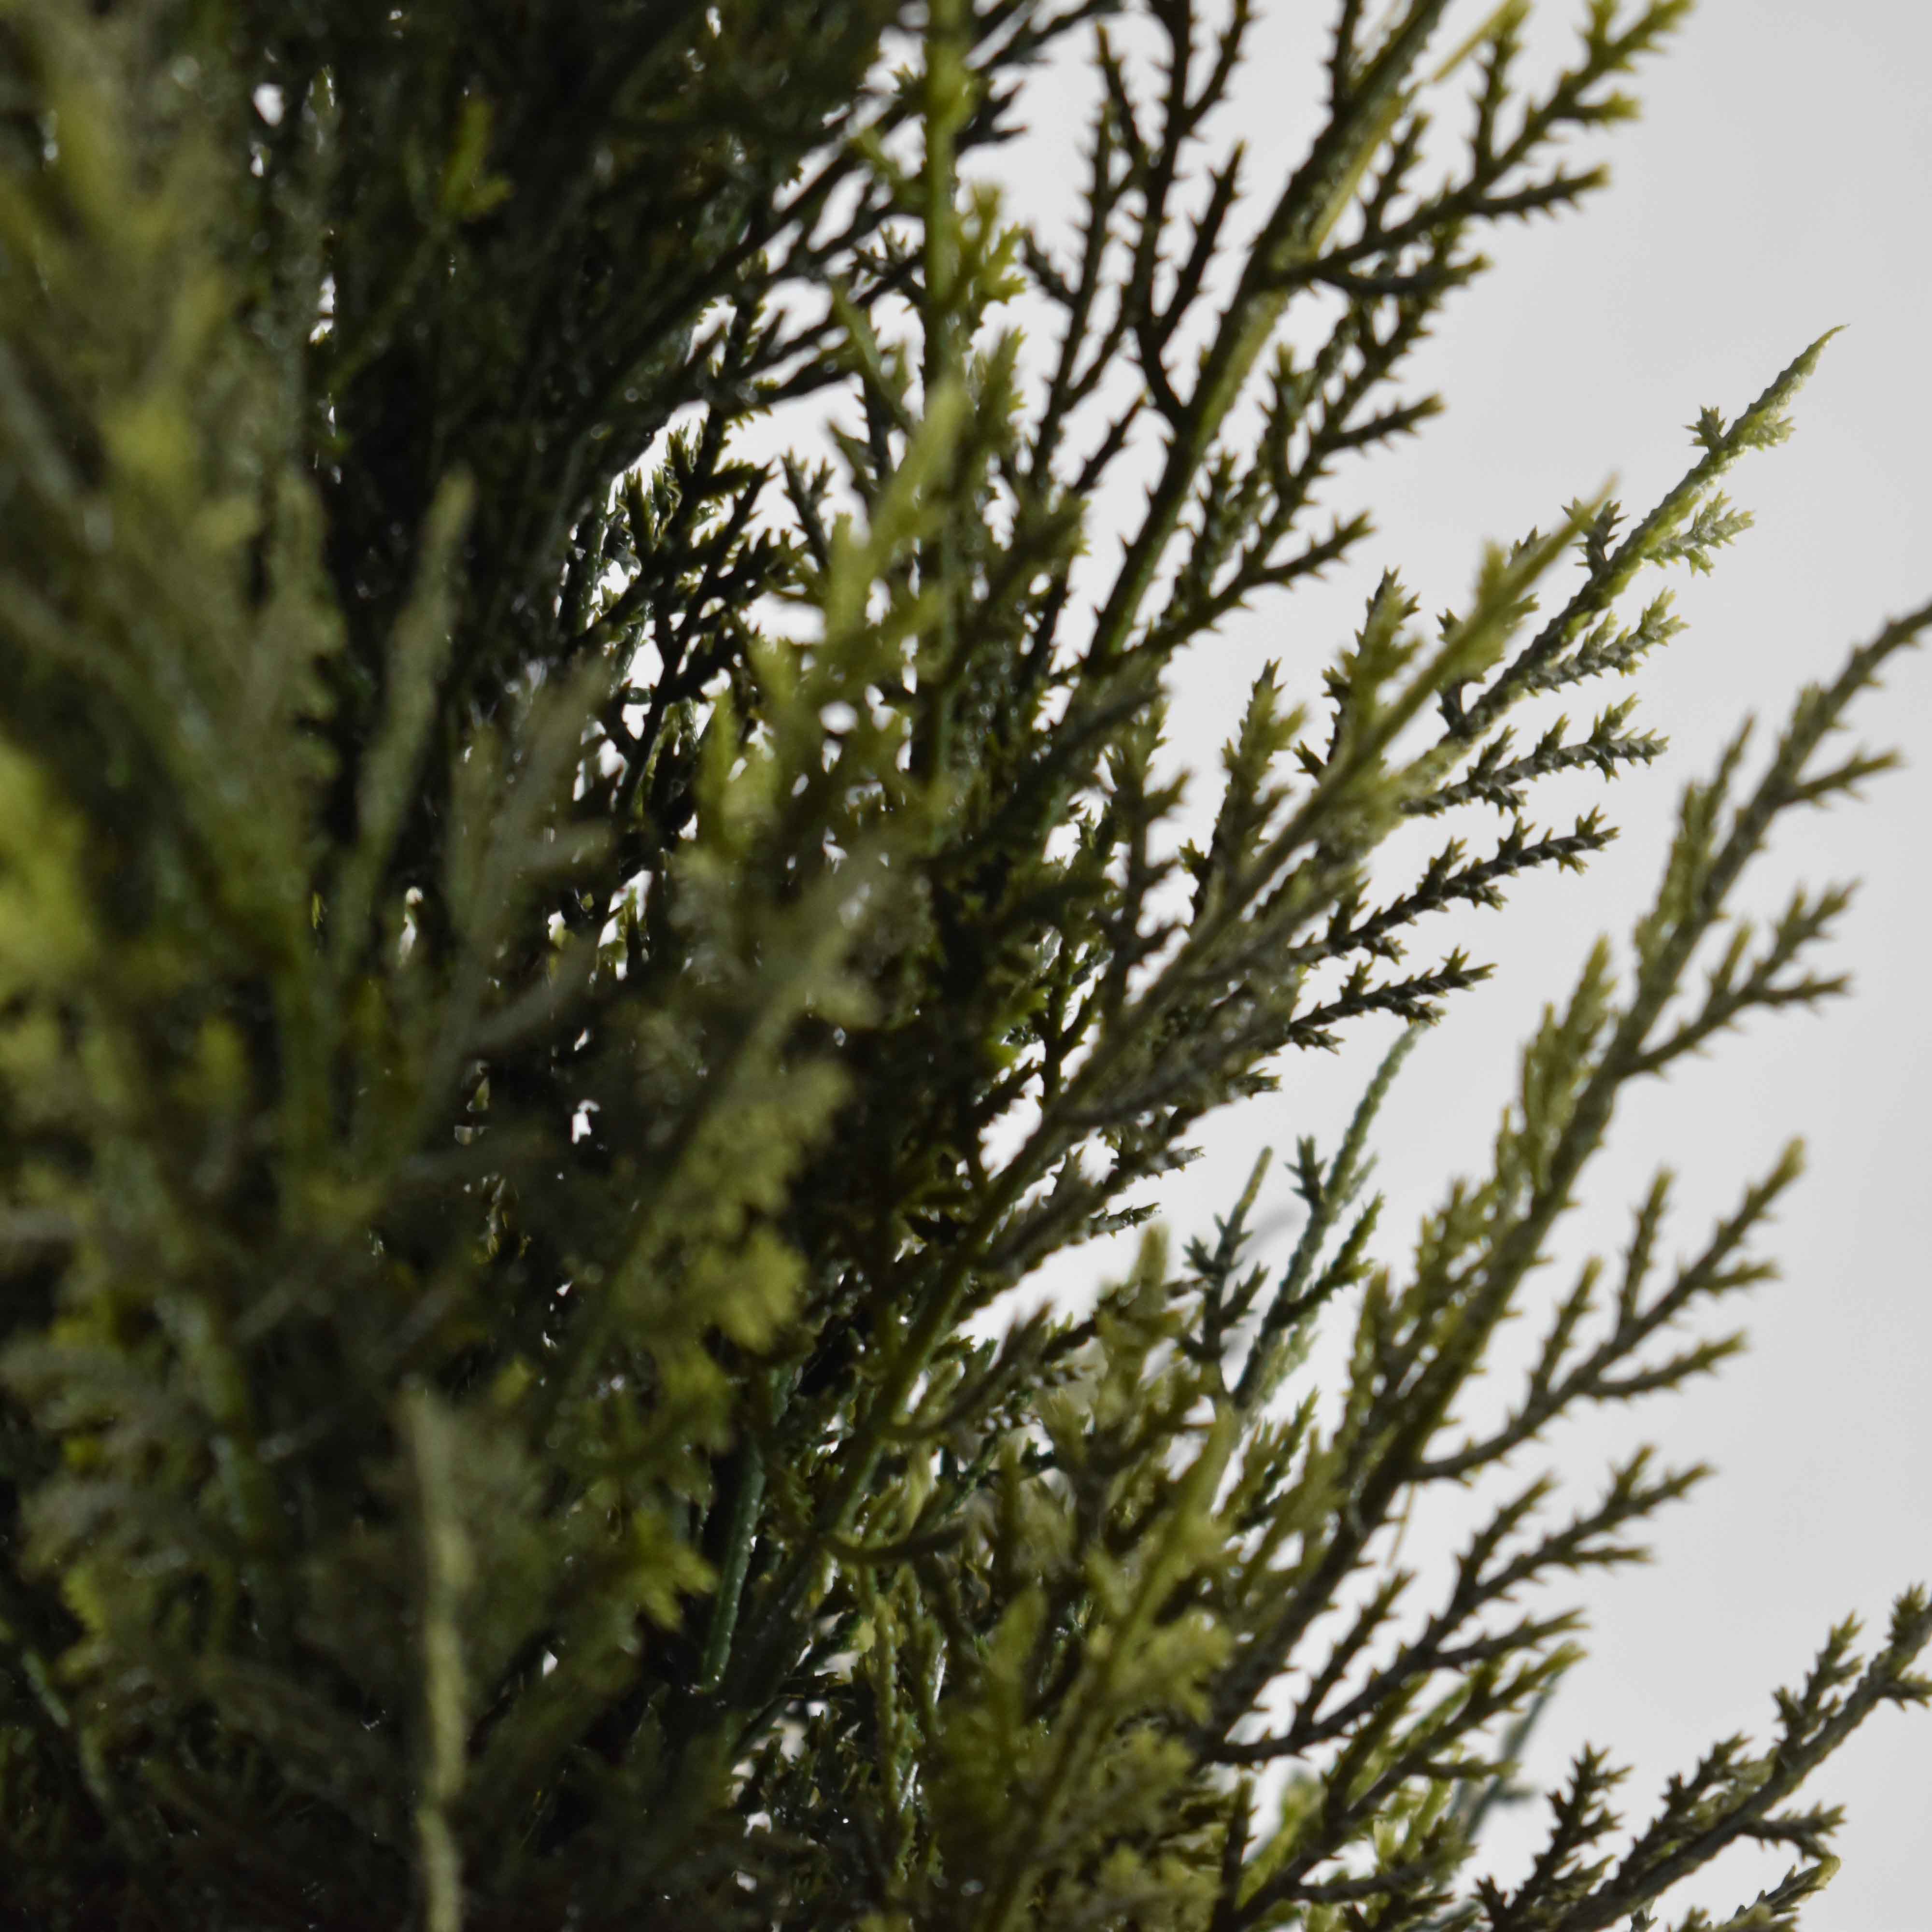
(550, 968)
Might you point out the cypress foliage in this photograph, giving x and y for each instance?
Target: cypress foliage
(551, 968)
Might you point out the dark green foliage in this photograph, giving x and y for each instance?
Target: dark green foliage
(549, 969)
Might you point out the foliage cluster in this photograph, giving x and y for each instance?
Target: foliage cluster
(550, 971)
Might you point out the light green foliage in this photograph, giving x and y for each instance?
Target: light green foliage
(551, 972)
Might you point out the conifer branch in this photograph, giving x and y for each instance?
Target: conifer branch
(567, 935)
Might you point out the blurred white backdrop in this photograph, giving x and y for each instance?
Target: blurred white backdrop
(1779, 184)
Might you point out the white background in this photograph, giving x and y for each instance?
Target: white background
(1779, 184)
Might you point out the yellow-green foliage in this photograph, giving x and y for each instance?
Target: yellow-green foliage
(550, 970)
